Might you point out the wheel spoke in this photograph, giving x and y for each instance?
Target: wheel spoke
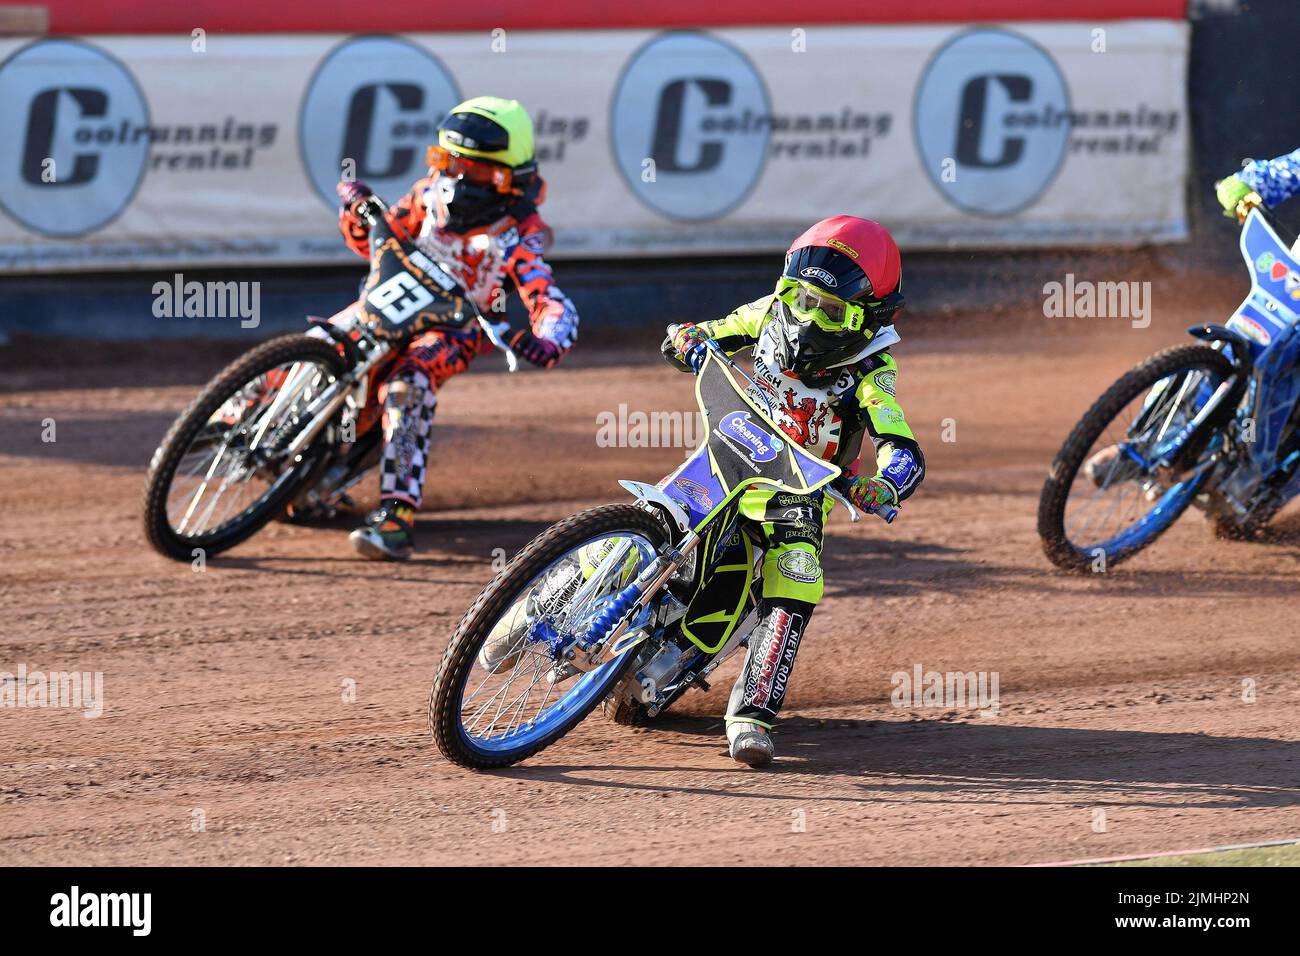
(500, 704)
(1103, 509)
(214, 481)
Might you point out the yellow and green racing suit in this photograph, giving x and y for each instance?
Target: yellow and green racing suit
(829, 420)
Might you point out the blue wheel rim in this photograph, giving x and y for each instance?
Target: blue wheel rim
(1155, 522)
(574, 700)
(1173, 500)
(578, 697)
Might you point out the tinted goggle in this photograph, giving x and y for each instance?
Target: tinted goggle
(477, 171)
(828, 312)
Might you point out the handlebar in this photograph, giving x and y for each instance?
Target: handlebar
(1248, 202)
(372, 210)
(1253, 203)
(496, 335)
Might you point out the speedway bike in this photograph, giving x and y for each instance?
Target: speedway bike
(1215, 424)
(288, 428)
(628, 605)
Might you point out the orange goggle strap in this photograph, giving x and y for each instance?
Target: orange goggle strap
(501, 178)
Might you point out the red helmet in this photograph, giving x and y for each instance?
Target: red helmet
(841, 284)
(852, 259)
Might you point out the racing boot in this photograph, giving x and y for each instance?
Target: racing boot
(388, 534)
(506, 641)
(750, 743)
(761, 685)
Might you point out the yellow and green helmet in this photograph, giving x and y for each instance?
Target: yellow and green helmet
(483, 161)
(490, 128)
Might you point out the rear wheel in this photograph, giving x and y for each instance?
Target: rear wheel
(1127, 471)
(1232, 528)
(503, 691)
(216, 479)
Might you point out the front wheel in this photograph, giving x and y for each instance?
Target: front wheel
(218, 476)
(504, 691)
(1129, 468)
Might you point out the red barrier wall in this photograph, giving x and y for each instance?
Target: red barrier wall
(83, 17)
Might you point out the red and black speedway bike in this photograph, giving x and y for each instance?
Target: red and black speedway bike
(292, 425)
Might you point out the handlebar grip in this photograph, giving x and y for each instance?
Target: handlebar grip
(371, 208)
(886, 513)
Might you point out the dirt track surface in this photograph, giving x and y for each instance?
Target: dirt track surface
(1121, 694)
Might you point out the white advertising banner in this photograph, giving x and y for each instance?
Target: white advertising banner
(141, 152)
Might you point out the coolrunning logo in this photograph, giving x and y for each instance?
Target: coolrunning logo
(71, 690)
(679, 129)
(969, 108)
(376, 102)
(75, 908)
(691, 127)
(71, 110)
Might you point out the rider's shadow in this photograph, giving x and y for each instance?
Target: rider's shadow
(989, 760)
(1000, 762)
(488, 538)
(114, 440)
(475, 545)
(865, 566)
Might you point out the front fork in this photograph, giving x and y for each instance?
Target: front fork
(1174, 454)
(322, 409)
(610, 634)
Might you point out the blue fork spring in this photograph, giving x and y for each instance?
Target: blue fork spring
(611, 614)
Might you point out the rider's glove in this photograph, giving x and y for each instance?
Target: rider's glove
(688, 339)
(1230, 192)
(870, 493)
(351, 191)
(536, 351)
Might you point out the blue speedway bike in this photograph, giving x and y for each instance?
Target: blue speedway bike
(1215, 424)
(629, 605)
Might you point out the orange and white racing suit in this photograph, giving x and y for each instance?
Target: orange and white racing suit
(480, 259)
